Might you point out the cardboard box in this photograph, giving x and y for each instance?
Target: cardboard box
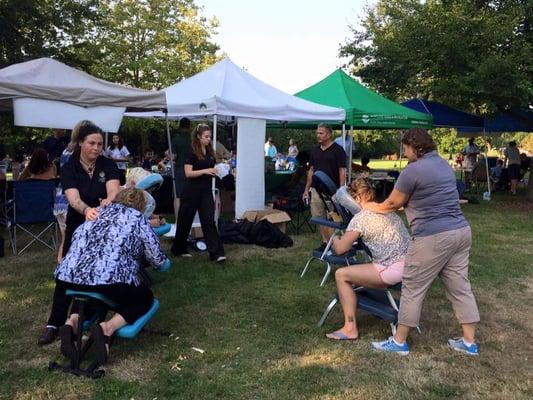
(277, 217)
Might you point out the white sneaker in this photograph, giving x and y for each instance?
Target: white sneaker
(220, 259)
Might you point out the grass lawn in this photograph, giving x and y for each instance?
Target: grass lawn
(256, 321)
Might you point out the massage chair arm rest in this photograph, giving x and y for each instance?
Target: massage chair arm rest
(327, 222)
(164, 267)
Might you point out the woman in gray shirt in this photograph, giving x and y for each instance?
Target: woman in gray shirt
(440, 244)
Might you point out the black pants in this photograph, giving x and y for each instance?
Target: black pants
(132, 301)
(200, 200)
(122, 176)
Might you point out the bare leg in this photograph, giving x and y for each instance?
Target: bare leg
(514, 183)
(402, 332)
(73, 321)
(469, 331)
(61, 242)
(325, 233)
(116, 322)
(176, 208)
(361, 275)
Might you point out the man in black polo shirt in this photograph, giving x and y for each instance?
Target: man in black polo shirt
(329, 158)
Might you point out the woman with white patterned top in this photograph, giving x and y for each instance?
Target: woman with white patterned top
(387, 238)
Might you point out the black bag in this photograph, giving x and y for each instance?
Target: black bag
(266, 234)
(1, 246)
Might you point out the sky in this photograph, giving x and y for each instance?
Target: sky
(289, 44)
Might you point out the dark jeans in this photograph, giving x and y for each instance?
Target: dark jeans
(132, 301)
(200, 200)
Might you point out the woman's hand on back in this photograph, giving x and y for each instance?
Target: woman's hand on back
(91, 213)
(210, 171)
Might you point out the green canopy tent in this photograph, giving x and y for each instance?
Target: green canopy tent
(365, 109)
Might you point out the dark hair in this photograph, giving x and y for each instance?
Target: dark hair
(84, 131)
(365, 160)
(185, 123)
(120, 142)
(512, 143)
(419, 140)
(197, 146)
(39, 162)
(326, 127)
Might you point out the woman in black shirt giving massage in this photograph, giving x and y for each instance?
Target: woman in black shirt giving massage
(198, 196)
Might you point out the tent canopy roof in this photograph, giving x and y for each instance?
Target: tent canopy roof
(444, 116)
(225, 89)
(364, 108)
(513, 120)
(48, 79)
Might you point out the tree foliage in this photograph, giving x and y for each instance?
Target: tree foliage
(473, 54)
(153, 43)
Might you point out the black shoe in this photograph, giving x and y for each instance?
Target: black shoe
(66, 334)
(321, 248)
(48, 336)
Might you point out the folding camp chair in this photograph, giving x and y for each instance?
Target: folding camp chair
(33, 204)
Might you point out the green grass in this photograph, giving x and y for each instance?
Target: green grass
(256, 320)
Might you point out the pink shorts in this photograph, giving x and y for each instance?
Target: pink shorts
(392, 274)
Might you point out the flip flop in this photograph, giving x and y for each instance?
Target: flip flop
(338, 335)
(99, 342)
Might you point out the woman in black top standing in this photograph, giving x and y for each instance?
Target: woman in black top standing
(198, 196)
(89, 181)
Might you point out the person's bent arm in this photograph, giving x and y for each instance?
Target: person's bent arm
(308, 183)
(345, 242)
(112, 188)
(151, 245)
(189, 173)
(395, 201)
(74, 200)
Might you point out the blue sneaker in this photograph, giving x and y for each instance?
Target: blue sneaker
(458, 344)
(390, 346)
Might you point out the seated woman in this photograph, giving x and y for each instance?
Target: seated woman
(386, 237)
(39, 167)
(105, 257)
(136, 175)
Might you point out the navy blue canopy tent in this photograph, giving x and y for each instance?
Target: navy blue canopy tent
(444, 116)
(513, 120)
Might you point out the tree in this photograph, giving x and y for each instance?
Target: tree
(476, 55)
(153, 43)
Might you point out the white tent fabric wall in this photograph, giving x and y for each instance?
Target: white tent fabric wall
(55, 114)
(250, 185)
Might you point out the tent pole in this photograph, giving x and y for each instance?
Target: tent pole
(215, 150)
(350, 157)
(487, 164)
(170, 156)
(344, 143)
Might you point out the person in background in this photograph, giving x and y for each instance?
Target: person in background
(293, 149)
(471, 152)
(496, 173)
(440, 244)
(119, 154)
(39, 167)
(270, 149)
(329, 158)
(181, 143)
(512, 160)
(524, 164)
(363, 168)
(90, 181)
(198, 196)
(221, 153)
(55, 144)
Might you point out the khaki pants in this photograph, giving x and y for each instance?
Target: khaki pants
(318, 208)
(446, 255)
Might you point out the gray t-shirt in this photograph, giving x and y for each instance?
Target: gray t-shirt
(433, 201)
(384, 234)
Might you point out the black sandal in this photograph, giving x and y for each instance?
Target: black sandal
(99, 342)
(68, 349)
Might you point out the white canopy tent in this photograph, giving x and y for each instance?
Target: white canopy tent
(47, 93)
(224, 91)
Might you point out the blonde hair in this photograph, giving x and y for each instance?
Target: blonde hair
(133, 198)
(363, 188)
(136, 174)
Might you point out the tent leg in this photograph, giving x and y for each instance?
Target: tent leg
(171, 156)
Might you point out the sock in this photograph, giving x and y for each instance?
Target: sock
(467, 343)
(398, 343)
